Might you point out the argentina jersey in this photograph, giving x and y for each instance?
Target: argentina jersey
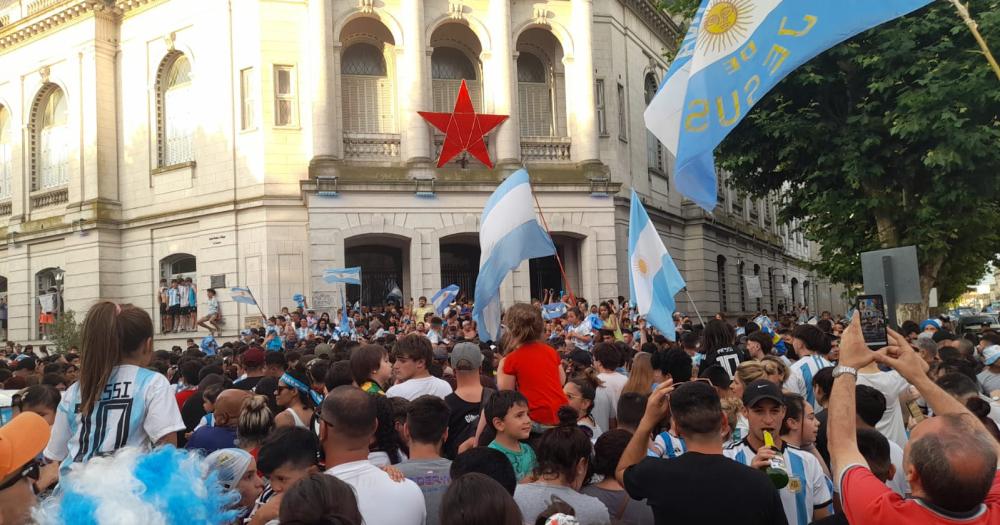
(808, 488)
(807, 367)
(668, 445)
(137, 408)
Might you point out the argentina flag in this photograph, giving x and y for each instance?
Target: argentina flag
(733, 54)
(343, 275)
(242, 295)
(553, 310)
(444, 297)
(653, 276)
(508, 234)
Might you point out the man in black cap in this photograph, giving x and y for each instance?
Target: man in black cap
(807, 495)
(673, 487)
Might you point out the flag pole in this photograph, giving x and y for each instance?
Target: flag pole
(963, 11)
(259, 309)
(562, 271)
(695, 306)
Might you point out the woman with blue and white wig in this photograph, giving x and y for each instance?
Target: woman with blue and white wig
(236, 471)
(297, 398)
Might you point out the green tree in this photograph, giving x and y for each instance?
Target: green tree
(889, 139)
(66, 331)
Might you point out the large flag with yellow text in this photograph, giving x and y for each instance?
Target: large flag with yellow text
(733, 54)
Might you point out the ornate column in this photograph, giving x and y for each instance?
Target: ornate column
(413, 90)
(327, 140)
(585, 149)
(500, 80)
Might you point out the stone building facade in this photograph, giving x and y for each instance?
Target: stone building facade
(258, 142)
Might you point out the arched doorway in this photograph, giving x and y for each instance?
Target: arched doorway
(544, 271)
(460, 262)
(384, 262)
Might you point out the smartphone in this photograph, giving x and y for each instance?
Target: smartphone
(871, 309)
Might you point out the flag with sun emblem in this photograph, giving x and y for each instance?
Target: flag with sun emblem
(653, 278)
(733, 54)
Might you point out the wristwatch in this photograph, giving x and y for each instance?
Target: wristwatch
(841, 370)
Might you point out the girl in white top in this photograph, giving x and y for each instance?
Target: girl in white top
(297, 398)
(116, 402)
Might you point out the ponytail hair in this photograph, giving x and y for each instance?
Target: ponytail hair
(256, 421)
(110, 332)
(587, 382)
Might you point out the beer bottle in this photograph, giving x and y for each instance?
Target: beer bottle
(776, 470)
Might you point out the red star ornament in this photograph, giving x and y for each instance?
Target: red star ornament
(464, 129)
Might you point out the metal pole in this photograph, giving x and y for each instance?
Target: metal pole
(695, 306)
(890, 293)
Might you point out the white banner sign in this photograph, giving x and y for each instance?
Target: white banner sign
(753, 287)
(786, 290)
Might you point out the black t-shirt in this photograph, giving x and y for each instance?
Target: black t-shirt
(704, 488)
(729, 358)
(462, 421)
(247, 383)
(821, 441)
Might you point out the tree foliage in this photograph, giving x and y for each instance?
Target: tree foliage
(889, 139)
(66, 331)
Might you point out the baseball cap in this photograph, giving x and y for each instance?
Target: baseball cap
(470, 353)
(943, 335)
(762, 389)
(253, 357)
(21, 440)
(991, 354)
(324, 349)
(717, 376)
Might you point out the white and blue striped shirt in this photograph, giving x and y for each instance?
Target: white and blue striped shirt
(806, 368)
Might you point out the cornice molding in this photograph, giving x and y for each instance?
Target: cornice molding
(657, 20)
(50, 17)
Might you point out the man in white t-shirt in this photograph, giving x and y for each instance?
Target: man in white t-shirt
(897, 393)
(413, 355)
(607, 359)
(348, 422)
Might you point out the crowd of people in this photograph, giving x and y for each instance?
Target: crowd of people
(580, 414)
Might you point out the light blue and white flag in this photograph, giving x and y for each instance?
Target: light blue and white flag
(345, 320)
(243, 295)
(653, 276)
(508, 234)
(444, 297)
(553, 310)
(343, 275)
(733, 54)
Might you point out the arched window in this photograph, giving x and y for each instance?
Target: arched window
(48, 299)
(51, 141)
(795, 292)
(449, 66)
(720, 272)
(770, 289)
(6, 155)
(367, 91)
(805, 293)
(534, 97)
(742, 284)
(175, 115)
(654, 149)
(179, 266)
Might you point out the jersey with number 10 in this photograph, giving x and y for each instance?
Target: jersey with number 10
(136, 408)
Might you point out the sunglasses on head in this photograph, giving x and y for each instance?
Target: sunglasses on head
(30, 471)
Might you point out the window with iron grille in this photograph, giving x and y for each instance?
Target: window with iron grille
(602, 107)
(367, 93)
(248, 99)
(50, 139)
(756, 273)
(742, 283)
(286, 111)
(6, 155)
(622, 114)
(175, 115)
